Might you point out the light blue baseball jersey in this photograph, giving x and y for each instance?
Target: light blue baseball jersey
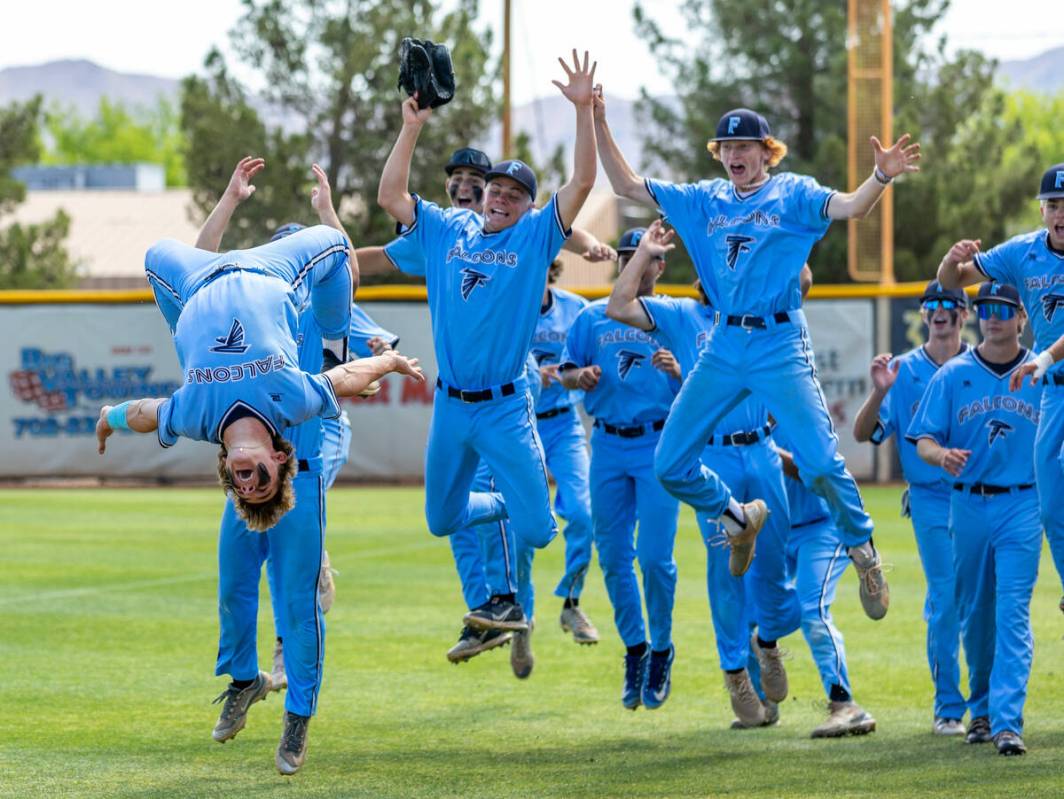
(748, 251)
(915, 370)
(631, 390)
(968, 405)
(484, 288)
(548, 343)
(241, 365)
(683, 326)
(363, 328)
(1028, 263)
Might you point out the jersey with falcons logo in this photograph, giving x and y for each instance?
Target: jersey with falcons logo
(630, 389)
(233, 341)
(471, 279)
(1030, 264)
(557, 311)
(968, 406)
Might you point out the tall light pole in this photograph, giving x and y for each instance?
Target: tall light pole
(507, 133)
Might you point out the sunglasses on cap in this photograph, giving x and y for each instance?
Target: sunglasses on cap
(935, 304)
(1001, 310)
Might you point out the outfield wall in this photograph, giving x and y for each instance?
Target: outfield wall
(67, 353)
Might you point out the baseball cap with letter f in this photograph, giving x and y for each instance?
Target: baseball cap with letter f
(1052, 183)
(742, 124)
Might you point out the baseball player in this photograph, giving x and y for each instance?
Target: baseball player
(741, 451)
(480, 549)
(1033, 263)
(485, 275)
(565, 445)
(623, 374)
(982, 435)
(897, 386)
(749, 237)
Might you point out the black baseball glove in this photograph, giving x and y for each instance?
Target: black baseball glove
(425, 68)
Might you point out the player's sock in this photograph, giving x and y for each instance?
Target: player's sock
(240, 685)
(638, 650)
(571, 602)
(839, 694)
(662, 655)
(765, 644)
(734, 518)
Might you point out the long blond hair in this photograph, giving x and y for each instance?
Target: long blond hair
(777, 150)
(261, 516)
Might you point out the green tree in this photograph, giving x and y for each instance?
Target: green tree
(118, 134)
(785, 58)
(31, 256)
(330, 69)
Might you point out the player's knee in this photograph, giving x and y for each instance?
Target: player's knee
(441, 524)
(536, 536)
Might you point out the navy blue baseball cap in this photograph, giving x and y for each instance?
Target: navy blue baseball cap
(1052, 183)
(515, 170)
(998, 292)
(742, 124)
(630, 240)
(470, 158)
(935, 291)
(286, 229)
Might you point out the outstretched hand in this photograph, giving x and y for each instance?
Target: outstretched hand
(884, 373)
(598, 253)
(657, 240)
(578, 90)
(103, 430)
(963, 251)
(406, 366)
(900, 158)
(240, 186)
(598, 100)
(320, 195)
(1031, 369)
(412, 115)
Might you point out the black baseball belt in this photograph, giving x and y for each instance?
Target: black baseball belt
(987, 490)
(553, 412)
(631, 431)
(741, 439)
(750, 322)
(483, 395)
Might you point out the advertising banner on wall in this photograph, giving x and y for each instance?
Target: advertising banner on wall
(62, 362)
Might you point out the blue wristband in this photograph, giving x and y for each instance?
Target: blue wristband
(116, 417)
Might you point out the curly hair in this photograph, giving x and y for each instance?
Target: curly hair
(777, 150)
(261, 516)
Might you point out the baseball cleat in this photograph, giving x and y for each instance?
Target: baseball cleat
(326, 585)
(773, 673)
(742, 543)
(635, 674)
(1009, 743)
(845, 718)
(772, 713)
(575, 621)
(497, 614)
(943, 726)
(979, 731)
(521, 658)
(874, 590)
(235, 710)
(748, 709)
(473, 641)
(292, 750)
(278, 678)
(658, 684)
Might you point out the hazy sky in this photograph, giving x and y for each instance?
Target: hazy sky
(170, 39)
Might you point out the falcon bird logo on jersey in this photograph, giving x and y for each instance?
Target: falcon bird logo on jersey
(626, 360)
(232, 342)
(471, 278)
(998, 429)
(1051, 303)
(736, 247)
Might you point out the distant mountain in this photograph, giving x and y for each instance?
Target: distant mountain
(1041, 73)
(82, 83)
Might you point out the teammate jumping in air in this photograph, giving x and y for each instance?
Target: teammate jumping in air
(749, 237)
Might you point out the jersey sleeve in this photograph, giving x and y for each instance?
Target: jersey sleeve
(999, 263)
(406, 256)
(319, 399)
(810, 202)
(666, 318)
(425, 234)
(932, 419)
(165, 416)
(576, 353)
(680, 202)
(548, 234)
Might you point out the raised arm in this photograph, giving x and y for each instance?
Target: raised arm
(883, 376)
(623, 179)
(239, 189)
(373, 261)
(901, 157)
(577, 91)
(352, 378)
(588, 247)
(140, 416)
(624, 305)
(321, 202)
(393, 194)
(958, 268)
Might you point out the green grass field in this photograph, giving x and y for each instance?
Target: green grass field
(109, 632)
